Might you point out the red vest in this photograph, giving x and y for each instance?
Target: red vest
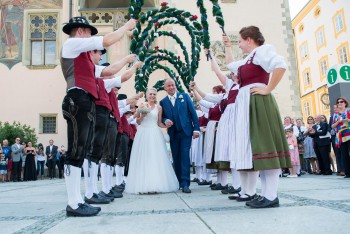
(114, 103)
(83, 74)
(215, 113)
(203, 121)
(250, 73)
(102, 93)
(125, 125)
(133, 130)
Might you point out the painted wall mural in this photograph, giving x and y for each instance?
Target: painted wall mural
(11, 26)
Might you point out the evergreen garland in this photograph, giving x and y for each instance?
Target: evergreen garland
(142, 39)
(218, 14)
(135, 8)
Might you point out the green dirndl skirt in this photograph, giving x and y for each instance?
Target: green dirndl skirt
(268, 140)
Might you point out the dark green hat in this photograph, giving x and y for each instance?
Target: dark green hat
(78, 22)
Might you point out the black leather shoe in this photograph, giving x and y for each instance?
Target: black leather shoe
(347, 176)
(235, 196)
(219, 187)
(247, 198)
(212, 185)
(264, 203)
(96, 200)
(195, 180)
(115, 194)
(186, 189)
(119, 188)
(92, 207)
(204, 182)
(109, 195)
(81, 211)
(230, 190)
(100, 194)
(255, 199)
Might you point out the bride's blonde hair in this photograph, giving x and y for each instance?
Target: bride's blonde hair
(149, 90)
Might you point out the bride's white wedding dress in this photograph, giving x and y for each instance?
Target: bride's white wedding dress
(150, 169)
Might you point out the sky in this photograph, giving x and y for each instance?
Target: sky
(295, 6)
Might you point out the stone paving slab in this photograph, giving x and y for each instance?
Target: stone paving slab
(310, 204)
(286, 220)
(152, 224)
(8, 227)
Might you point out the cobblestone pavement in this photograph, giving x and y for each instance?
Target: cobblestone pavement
(309, 204)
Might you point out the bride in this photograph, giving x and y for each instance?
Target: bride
(150, 170)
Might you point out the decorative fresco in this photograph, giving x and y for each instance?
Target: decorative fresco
(11, 26)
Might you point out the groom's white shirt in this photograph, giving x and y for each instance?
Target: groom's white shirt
(172, 98)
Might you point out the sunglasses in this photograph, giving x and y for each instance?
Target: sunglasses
(340, 102)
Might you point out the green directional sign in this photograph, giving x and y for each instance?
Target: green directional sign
(332, 76)
(345, 73)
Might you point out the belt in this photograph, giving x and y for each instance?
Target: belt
(76, 89)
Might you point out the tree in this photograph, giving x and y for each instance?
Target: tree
(16, 129)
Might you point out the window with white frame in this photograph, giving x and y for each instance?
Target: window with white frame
(343, 54)
(324, 67)
(303, 51)
(320, 37)
(307, 109)
(339, 22)
(307, 78)
(43, 38)
(48, 123)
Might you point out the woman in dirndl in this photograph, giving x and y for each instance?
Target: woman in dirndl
(197, 145)
(214, 115)
(261, 145)
(224, 134)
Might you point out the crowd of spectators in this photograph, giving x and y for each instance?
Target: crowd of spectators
(311, 144)
(24, 162)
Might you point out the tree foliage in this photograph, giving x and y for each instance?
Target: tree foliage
(16, 129)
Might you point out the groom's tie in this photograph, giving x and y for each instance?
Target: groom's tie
(172, 99)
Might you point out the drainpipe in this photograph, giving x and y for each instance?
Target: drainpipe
(70, 9)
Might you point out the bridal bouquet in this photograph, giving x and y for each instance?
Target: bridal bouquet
(144, 108)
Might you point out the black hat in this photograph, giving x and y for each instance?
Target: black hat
(78, 22)
(122, 96)
(105, 64)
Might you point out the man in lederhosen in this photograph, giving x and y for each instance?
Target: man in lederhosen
(79, 104)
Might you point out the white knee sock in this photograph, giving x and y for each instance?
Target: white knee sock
(298, 170)
(118, 175)
(271, 180)
(224, 177)
(236, 180)
(199, 172)
(71, 184)
(88, 178)
(94, 177)
(124, 177)
(78, 189)
(218, 177)
(263, 183)
(110, 168)
(244, 181)
(104, 177)
(205, 174)
(252, 180)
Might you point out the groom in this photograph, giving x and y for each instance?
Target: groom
(181, 119)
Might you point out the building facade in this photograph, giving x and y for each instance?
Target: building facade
(31, 37)
(321, 41)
